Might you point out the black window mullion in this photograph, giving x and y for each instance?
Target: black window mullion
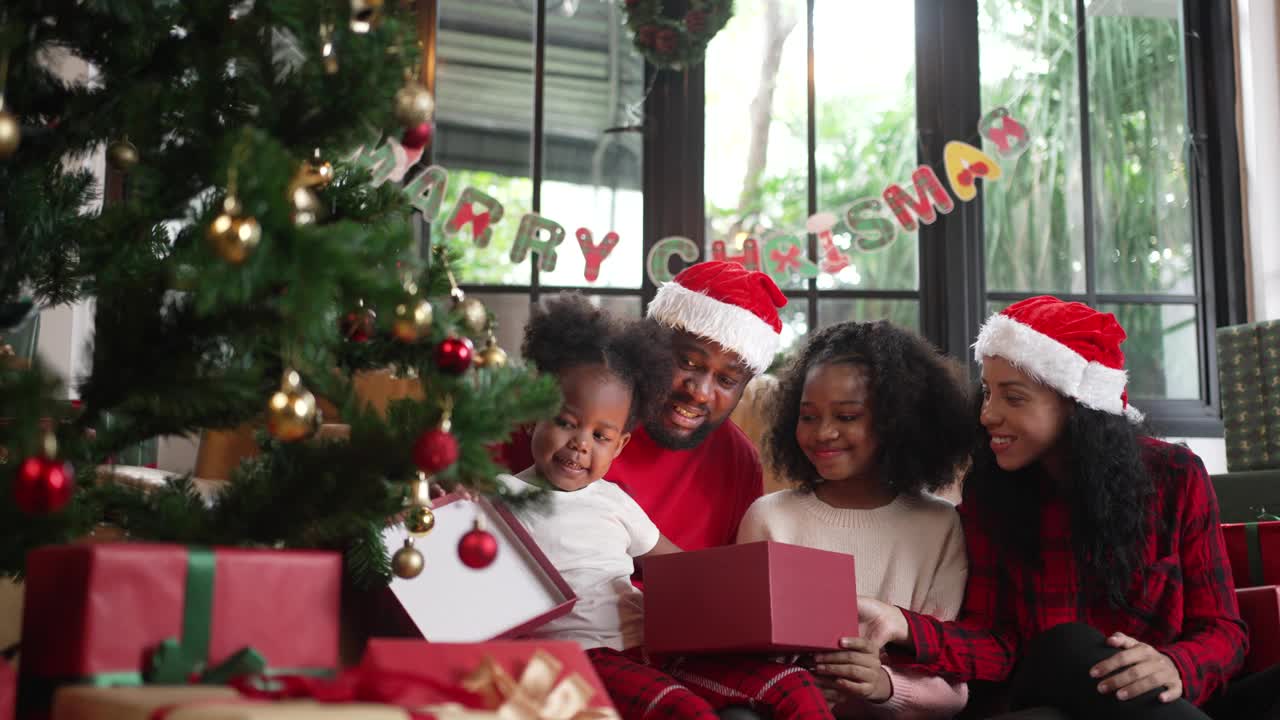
(812, 133)
(539, 106)
(1086, 154)
(948, 107)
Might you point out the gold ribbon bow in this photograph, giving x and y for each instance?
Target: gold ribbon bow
(536, 696)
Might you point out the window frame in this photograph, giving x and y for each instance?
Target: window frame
(952, 292)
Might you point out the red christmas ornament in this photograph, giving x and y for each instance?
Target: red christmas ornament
(357, 325)
(665, 41)
(695, 21)
(453, 355)
(477, 549)
(43, 486)
(417, 137)
(645, 35)
(435, 450)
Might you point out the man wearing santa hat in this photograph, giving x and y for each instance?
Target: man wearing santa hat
(692, 470)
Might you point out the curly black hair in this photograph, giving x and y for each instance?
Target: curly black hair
(919, 405)
(567, 331)
(1110, 495)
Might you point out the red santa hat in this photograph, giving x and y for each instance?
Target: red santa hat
(1068, 346)
(724, 302)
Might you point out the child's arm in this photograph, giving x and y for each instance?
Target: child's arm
(664, 547)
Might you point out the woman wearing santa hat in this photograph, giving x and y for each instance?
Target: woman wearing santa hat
(1098, 585)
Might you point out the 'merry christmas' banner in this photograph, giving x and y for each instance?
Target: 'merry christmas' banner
(872, 222)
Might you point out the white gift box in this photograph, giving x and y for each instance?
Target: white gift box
(450, 602)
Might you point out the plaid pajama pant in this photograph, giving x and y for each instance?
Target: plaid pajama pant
(694, 688)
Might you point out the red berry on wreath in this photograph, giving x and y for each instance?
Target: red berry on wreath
(645, 35)
(695, 21)
(43, 485)
(417, 137)
(666, 40)
(435, 450)
(453, 355)
(478, 548)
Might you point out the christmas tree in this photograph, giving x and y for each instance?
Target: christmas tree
(245, 270)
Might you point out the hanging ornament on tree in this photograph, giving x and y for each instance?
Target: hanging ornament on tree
(10, 128)
(416, 137)
(122, 155)
(453, 355)
(478, 548)
(407, 562)
(291, 412)
(364, 15)
(491, 356)
(328, 52)
(307, 209)
(474, 315)
(412, 320)
(413, 103)
(232, 236)
(43, 483)
(358, 325)
(437, 449)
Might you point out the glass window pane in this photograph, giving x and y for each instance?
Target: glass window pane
(756, 176)
(1137, 146)
(1034, 215)
(592, 175)
(864, 82)
(900, 312)
(484, 121)
(1161, 353)
(795, 324)
(511, 310)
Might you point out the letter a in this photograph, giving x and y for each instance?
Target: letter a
(965, 164)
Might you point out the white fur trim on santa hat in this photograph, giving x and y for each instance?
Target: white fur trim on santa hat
(729, 326)
(1091, 384)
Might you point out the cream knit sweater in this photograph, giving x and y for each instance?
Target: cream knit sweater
(909, 553)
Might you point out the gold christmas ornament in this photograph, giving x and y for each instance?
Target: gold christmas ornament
(420, 490)
(291, 412)
(328, 53)
(122, 155)
(307, 209)
(233, 237)
(314, 173)
(419, 520)
(365, 14)
(475, 317)
(491, 356)
(408, 562)
(412, 320)
(414, 104)
(10, 132)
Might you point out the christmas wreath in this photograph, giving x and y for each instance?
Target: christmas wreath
(675, 43)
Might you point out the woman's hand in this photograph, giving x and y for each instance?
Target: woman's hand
(882, 623)
(854, 672)
(1142, 669)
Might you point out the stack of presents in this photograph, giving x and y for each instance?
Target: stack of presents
(141, 631)
(1249, 377)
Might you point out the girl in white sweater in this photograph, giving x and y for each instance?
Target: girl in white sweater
(869, 419)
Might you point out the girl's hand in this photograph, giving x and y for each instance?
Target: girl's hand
(882, 623)
(854, 672)
(1143, 668)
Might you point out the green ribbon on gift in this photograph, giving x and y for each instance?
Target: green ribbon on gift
(1254, 544)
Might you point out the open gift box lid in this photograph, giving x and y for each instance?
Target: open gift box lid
(450, 602)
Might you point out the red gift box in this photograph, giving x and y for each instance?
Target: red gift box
(1254, 552)
(1260, 608)
(111, 613)
(450, 602)
(8, 689)
(457, 665)
(756, 597)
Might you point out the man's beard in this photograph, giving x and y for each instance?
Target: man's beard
(673, 441)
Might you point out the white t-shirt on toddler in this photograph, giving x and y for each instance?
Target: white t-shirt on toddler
(590, 536)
